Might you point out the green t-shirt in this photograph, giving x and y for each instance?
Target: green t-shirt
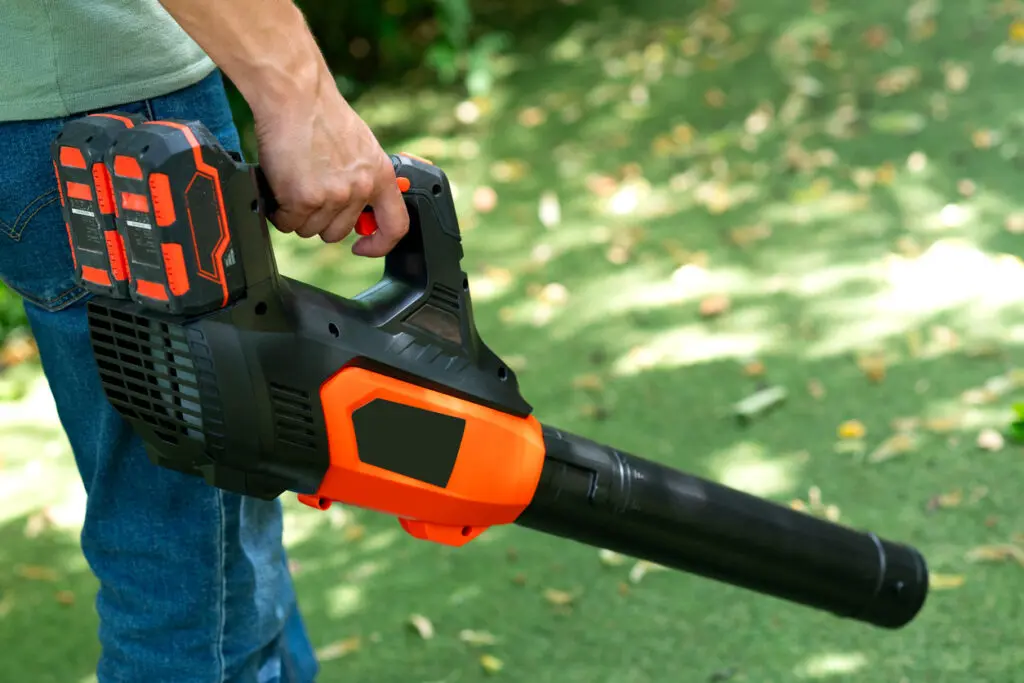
(62, 57)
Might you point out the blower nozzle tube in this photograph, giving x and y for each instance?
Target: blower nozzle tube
(605, 498)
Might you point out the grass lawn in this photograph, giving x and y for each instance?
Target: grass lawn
(666, 205)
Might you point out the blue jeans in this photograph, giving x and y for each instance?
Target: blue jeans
(194, 582)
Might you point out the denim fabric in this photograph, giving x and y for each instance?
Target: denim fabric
(194, 582)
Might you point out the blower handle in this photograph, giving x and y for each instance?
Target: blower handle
(425, 260)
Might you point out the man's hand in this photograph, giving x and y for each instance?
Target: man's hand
(321, 160)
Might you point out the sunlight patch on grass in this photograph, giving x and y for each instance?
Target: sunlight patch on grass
(300, 526)
(385, 539)
(692, 344)
(751, 467)
(343, 600)
(831, 664)
(952, 275)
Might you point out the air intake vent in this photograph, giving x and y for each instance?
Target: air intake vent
(293, 417)
(152, 374)
(445, 297)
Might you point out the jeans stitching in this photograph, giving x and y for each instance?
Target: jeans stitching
(67, 297)
(15, 229)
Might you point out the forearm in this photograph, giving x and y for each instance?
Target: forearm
(264, 46)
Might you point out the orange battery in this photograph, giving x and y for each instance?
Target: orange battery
(79, 153)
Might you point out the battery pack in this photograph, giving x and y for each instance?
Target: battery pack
(86, 196)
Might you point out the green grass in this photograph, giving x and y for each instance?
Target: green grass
(844, 268)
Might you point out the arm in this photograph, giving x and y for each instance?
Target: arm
(321, 158)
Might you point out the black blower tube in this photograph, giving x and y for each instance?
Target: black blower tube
(596, 495)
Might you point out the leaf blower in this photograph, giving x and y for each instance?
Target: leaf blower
(389, 400)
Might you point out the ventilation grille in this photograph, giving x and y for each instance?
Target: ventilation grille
(152, 374)
(293, 417)
(445, 297)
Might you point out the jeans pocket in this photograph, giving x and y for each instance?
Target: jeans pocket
(35, 254)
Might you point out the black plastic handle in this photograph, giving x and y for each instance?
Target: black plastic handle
(597, 495)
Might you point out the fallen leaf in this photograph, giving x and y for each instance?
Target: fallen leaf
(851, 429)
(715, 98)
(491, 664)
(895, 445)
(873, 366)
(754, 368)
(477, 638)
(354, 532)
(1017, 31)
(990, 440)
(485, 199)
(943, 425)
(422, 626)
(18, 348)
(714, 305)
(759, 403)
(519, 579)
(642, 569)
(875, 37)
(748, 235)
(610, 558)
(34, 572)
(945, 581)
(531, 117)
(512, 555)
(945, 501)
(591, 382)
(339, 649)
(997, 553)
(1015, 223)
(816, 389)
(549, 210)
(65, 597)
(554, 293)
(558, 598)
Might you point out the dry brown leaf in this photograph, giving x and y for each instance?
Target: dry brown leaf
(19, 348)
(873, 366)
(531, 117)
(895, 445)
(590, 382)
(422, 626)
(623, 588)
(947, 500)
(34, 572)
(339, 649)
(748, 235)
(851, 429)
(816, 389)
(519, 579)
(558, 598)
(714, 305)
(477, 638)
(353, 532)
(945, 581)
(754, 368)
(491, 664)
(715, 98)
(997, 553)
(65, 597)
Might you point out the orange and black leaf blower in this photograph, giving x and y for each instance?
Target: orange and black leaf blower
(390, 400)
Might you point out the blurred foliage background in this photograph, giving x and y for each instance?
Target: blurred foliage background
(668, 207)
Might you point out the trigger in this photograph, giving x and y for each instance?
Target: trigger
(366, 224)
